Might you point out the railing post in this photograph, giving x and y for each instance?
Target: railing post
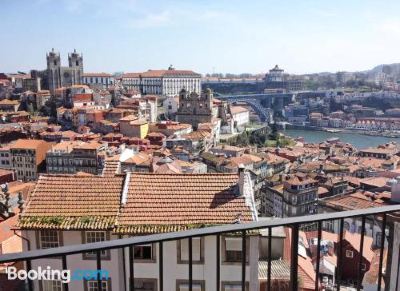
(339, 263)
(359, 275)
(64, 267)
(244, 260)
(28, 268)
(382, 247)
(218, 262)
(190, 264)
(269, 258)
(99, 273)
(131, 269)
(161, 265)
(318, 255)
(393, 268)
(294, 258)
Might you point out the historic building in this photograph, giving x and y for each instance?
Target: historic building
(163, 82)
(276, 79)
(76, 156)
(98, 80)
(59, 76)
(28, 158)
(194, 108)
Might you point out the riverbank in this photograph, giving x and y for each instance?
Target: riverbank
(356, 139)
(388, 134)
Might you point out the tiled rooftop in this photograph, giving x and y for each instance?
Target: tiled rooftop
(73, 202)
(167, 202)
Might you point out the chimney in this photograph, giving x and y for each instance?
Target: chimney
(242, 178)
(246, 190)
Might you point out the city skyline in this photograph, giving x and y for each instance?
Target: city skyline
(207, 36)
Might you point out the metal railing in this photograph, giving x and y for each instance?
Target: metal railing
(294, 223)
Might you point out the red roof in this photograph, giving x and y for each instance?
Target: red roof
(83, 97)
(171, 202)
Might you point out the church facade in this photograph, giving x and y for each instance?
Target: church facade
(195, 108)
(59, 76)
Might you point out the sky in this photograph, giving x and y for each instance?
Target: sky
(228, 36)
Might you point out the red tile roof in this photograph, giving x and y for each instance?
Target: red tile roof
(171, 202)
(73, 202)
(162, 73)
(107, 75)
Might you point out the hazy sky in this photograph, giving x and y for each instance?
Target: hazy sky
(205, 35)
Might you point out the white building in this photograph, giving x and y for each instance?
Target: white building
(171, 105)
(240, 115)
(163, 82)
(98, 80)
(97, 211)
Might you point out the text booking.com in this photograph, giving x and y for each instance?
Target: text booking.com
(65, 276)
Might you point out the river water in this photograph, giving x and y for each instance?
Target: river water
(358, 140)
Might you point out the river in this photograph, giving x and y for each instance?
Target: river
(358, 140)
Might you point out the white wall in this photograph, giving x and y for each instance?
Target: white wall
(172, 270)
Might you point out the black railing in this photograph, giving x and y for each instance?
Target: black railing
(386, 217)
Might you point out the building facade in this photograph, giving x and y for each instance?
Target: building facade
(163, 82)
(98, 80)
(28, 158)
(296, 196)
(59, 76)
(195, 108)
(72, 157)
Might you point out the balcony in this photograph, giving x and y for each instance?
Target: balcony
(338, 256)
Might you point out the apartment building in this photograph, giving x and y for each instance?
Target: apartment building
(290, 196)
(70, 157)
(5, 157)
(28, 158)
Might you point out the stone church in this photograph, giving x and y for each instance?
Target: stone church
(58, 76)
(194, 108)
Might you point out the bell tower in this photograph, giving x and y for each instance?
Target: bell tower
(75, 62)
(53, 70)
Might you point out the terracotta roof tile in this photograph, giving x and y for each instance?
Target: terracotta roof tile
(73, 202)
(170, 202)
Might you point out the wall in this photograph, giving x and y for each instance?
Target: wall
(172, 270)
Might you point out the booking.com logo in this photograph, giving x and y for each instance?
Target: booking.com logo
(65, 276)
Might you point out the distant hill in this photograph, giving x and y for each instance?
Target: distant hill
(392, 70)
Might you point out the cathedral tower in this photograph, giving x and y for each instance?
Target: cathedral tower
(75, 62)
(53, 70)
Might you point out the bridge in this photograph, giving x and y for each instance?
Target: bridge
(264, 104)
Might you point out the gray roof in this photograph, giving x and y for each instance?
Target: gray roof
(279, 270)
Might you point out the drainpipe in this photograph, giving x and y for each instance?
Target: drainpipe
(28, 242)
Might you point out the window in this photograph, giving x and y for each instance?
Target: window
(197, 250)
(49, 239)
(183, 285)
(233, 286)
(233, 249)
(92, 286)
(92, 237)
(145, 284)
(52, 285)
(143, 252)
(349, 254)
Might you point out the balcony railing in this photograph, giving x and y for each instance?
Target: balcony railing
(386, 217)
